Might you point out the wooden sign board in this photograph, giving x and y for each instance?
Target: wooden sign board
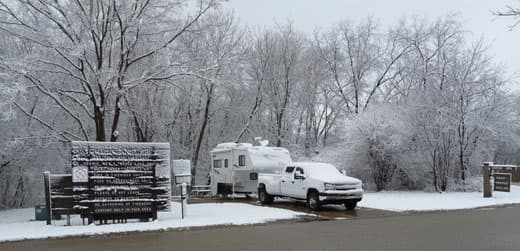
(513, 170)
(502, 182)
(120, 180)
(62, 201)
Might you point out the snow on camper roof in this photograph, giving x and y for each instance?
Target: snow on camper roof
(233, 145)
(269, 159)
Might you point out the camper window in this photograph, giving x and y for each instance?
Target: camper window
(226, 163)
(241, 160)
(217, 163)
(289, 169)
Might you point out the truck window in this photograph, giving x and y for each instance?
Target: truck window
(241, 160)
(289, 169)
(226, 163)
(300, 169)
(217, 163)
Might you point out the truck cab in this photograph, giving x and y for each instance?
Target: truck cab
(317, 183)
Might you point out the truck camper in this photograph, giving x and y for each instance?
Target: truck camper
(235, 166)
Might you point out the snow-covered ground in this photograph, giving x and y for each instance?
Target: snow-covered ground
(18, 224)
(422, 201)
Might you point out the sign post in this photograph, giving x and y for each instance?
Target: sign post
(184, 199)
(486, 173)
(503, 175)
(48, 202)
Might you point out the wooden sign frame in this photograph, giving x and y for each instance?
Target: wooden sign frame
(112, 181)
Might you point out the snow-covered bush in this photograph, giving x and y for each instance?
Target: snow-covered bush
(471, 184)
(380, 146)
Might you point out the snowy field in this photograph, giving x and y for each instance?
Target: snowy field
(421, 201)
(19, 224)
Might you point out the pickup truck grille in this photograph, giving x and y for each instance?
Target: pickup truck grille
(344, 187)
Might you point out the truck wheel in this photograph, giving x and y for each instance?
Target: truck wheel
(350, 205)
(264, 197)
(313, 201)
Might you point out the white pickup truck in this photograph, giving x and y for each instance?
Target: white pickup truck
(318, 183)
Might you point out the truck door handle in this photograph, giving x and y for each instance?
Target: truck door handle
(283, 181)
(292, 182)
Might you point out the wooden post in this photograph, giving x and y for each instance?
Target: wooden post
(90, 186)
(154, 193)
(48, 202)
(486, 173)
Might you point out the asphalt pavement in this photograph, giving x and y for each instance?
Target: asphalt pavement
(479, 229)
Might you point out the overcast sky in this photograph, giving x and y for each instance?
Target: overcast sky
(308, 15)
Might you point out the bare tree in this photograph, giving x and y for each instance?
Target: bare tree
(88, 55)
(510, 11)
(215, 47)
(361, 60)
(288, 45)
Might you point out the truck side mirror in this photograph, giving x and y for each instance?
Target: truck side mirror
(344, 172)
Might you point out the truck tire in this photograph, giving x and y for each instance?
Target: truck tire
(264, 197)
(313, 201)
(350, 205)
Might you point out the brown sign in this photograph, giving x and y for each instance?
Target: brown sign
(502, 182)
(113, 181)
(61, 196)
(121, 180)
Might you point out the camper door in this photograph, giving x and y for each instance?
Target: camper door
(222, 168)
(240, 161)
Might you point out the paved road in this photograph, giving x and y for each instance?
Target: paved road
(483, 229)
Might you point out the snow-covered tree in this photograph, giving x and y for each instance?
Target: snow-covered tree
(87, 56)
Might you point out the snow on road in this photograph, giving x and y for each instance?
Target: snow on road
(18, 224)
(422, 201)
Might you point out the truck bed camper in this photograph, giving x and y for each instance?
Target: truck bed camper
(235, 166)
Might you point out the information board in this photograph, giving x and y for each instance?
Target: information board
(120, 180)
(502, 182)
(182, 171)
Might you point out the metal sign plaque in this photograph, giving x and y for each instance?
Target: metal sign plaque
(182, 171)
(79, 174)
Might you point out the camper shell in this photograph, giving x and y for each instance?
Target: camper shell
(235, 166)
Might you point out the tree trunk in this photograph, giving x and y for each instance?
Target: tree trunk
(99, 120)
(308, 137)
(462, 136)
(115, 121)
(200, 137)
(279, 121)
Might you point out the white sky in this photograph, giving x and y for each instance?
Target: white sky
(308, 15)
